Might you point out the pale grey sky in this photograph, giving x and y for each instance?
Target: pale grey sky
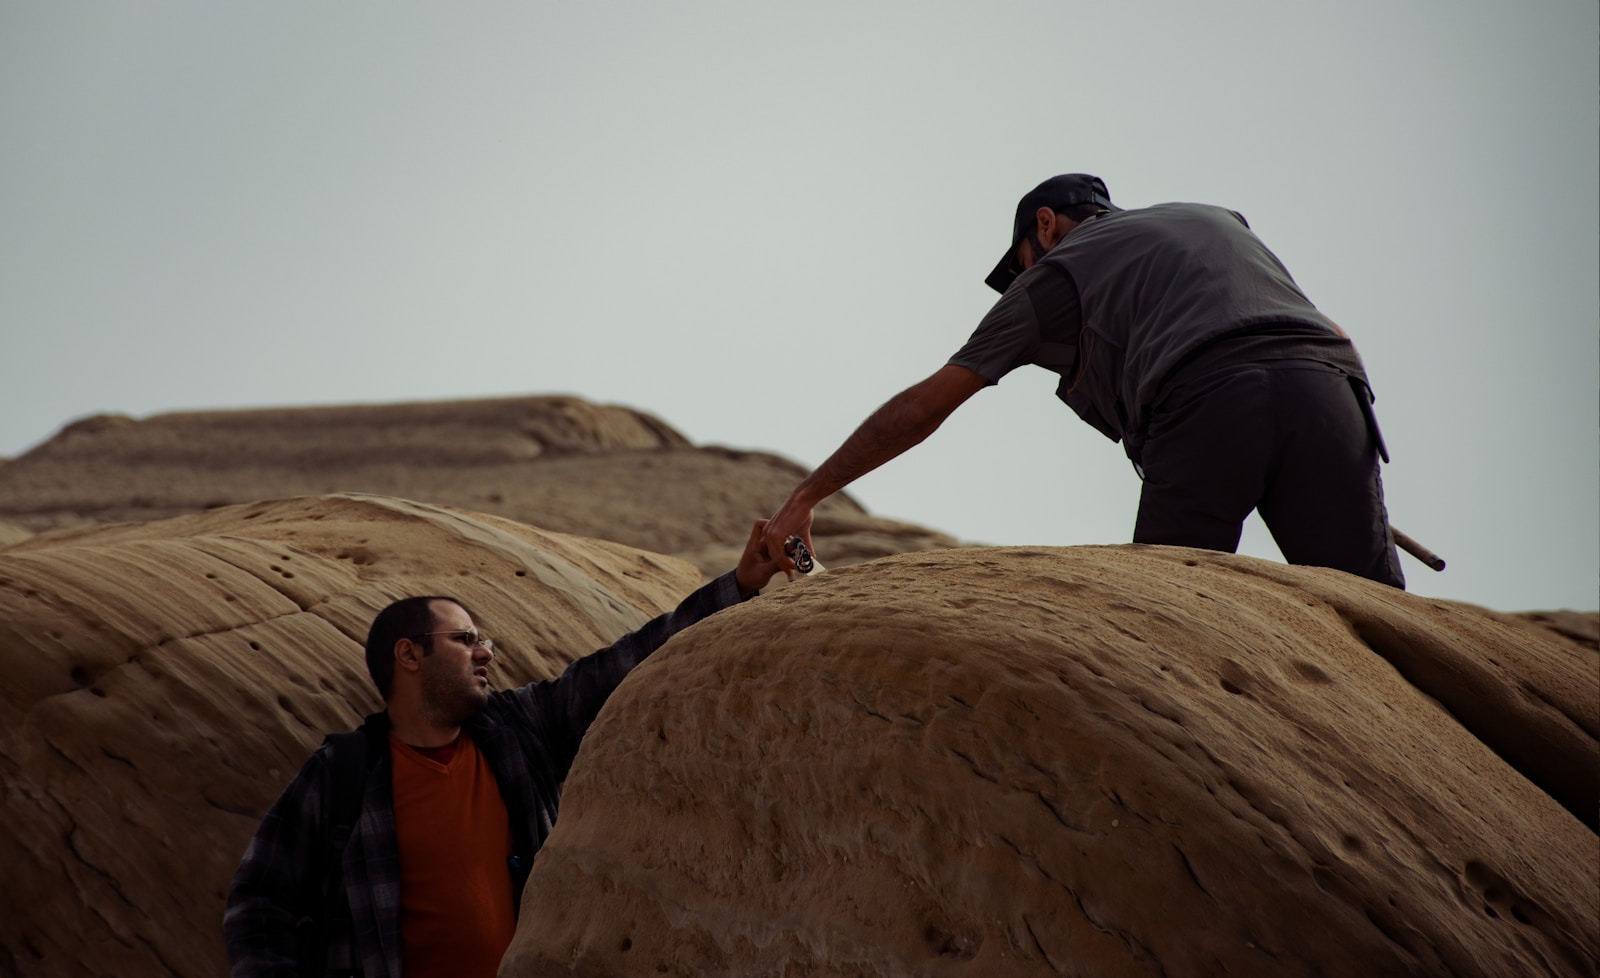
(759, 221)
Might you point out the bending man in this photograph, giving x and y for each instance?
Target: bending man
(1175, 331)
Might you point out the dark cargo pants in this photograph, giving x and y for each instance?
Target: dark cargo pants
(1285, 437)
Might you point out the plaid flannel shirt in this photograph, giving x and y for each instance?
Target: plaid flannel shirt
(528, 735)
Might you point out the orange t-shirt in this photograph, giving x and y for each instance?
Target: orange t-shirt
(456, 917)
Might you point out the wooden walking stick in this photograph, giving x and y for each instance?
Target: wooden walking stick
(1415, 549)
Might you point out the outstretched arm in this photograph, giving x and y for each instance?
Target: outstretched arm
(562, 709)
(905, 420)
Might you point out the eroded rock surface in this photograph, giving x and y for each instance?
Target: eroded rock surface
(1088, 761)
(11, 533)
(1095, 761)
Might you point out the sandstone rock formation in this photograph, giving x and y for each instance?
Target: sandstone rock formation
(1094, 761)
(560, 463)
(10, 534)
(1082, 761)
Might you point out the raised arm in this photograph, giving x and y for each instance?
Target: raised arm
(905, 420)
(562, 709)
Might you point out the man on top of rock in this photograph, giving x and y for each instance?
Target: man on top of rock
(1175, 331)
(460, 790)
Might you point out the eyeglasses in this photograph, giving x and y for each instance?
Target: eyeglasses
(470, 637)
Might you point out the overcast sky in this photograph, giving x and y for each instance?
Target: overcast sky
(758, 221)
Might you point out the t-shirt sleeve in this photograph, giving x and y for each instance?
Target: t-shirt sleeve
(1005, 339)
(1022, 327)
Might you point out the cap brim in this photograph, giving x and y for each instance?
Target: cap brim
(1005, 271)
(1003, 275)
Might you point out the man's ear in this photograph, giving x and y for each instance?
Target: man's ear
(407, 655)
(1052, 227)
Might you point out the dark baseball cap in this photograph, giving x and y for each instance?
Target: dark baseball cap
(1056, 193)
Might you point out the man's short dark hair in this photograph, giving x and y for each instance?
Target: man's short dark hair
(406, 618)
